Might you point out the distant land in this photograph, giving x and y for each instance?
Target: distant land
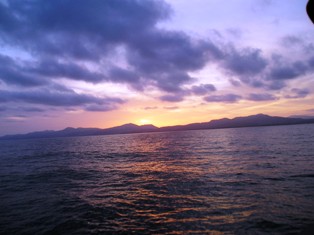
(249, 121)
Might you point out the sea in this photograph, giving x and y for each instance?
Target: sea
(257, 180)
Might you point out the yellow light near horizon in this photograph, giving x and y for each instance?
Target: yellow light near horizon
(144, 121)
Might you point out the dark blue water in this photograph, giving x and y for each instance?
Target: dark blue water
(231, 181)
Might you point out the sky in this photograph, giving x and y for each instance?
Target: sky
(77, 63)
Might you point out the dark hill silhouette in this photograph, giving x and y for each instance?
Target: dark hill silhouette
(254, 120)
(129, 128)
(250, 121)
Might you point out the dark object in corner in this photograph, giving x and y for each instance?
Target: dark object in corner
(310, 10)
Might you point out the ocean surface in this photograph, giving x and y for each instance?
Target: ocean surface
(229, 181)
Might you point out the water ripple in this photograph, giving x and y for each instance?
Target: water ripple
(194, 182)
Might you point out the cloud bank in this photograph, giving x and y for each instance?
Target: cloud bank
(121, 42)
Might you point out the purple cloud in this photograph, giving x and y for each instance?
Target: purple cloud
(247, 61)
(58, 98)
(286, 72)
(228, 98)
(203, 89)
(69, 33)
(262, 97)
(172, 98)
(296, 93)
(81, 41)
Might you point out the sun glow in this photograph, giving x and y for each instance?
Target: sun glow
(144, 122)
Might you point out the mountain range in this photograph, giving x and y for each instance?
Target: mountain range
(249, 121)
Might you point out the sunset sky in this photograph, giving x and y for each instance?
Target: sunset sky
(105, 63)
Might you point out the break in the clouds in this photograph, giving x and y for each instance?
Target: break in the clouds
(78, 54)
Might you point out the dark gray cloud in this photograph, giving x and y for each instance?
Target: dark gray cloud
(13, 74)
(65, 98)
(288, 71)
(311, 63)
(54, 69)
(129, 77)
(67, 31)
(12, 111)
(117, 74)
(105, 107)
(177, 94)
(27, 109)
(250, 67)
(283, 69)
(296, 93)
(77, 29)
(274, 85)
(203, 89)
(7, 19)
(172, 98)
(232, 98)
(245, 62)
(261, 97)
(164, 58)
(31, 109)
(246, 66)
(268, 74)
(161, 50)
(171, 82)
(228, 98)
